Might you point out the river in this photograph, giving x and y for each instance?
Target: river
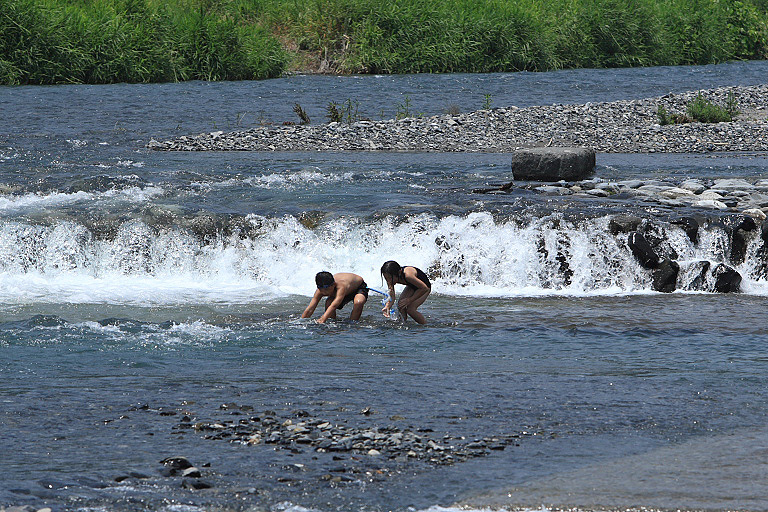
(144, 292)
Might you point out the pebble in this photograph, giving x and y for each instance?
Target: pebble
(322, 436)
(627, 126)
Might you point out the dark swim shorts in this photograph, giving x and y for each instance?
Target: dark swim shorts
(351, 296)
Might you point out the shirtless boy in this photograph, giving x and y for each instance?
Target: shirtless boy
(339, 289)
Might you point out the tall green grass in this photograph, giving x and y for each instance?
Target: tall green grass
(103, 41)
(98, 41)
(508, 35)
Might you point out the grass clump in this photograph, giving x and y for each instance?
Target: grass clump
(345, 112)
(701, 110)
(303, 116)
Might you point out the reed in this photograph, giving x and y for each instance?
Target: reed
(388, 36)
(97, 41)
(105, 41)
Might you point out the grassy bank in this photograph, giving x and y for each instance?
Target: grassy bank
(104, 41)
(99, 41)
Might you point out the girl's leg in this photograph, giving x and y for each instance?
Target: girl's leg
(403, 310)
(415, 304)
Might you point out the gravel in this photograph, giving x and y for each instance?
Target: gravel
(628, 126)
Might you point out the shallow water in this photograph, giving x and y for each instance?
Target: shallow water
(137, 287)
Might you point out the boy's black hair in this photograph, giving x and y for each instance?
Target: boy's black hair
(324, 279)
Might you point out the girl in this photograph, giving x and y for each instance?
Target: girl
(417, 289)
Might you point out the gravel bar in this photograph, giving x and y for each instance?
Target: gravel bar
(627, 126)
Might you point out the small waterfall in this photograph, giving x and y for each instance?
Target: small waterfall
(475, 254)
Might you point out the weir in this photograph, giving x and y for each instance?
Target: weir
(475, 254)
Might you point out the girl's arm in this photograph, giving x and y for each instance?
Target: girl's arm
(390, 302)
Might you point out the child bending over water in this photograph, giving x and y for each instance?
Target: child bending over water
(417, 289)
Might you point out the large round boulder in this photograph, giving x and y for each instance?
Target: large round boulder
(553, 164)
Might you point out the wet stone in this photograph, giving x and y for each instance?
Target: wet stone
(382, 443)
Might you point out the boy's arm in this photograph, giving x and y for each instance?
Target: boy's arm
(340, 293)
(312, 305)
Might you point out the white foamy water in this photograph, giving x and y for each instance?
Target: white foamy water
(32, 202)
(472, 255)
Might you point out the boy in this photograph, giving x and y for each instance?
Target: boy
(339, 289)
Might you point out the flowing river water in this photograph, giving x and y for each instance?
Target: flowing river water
(144, 292)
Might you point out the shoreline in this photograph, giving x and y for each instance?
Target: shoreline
(626, 126)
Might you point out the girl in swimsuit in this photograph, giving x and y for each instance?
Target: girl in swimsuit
(417, 289)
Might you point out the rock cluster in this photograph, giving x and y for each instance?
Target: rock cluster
(736, 207)
(726, 195)
(654, 254)
(319, 436)
(629, 126)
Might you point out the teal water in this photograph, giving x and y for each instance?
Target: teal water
(138, 287)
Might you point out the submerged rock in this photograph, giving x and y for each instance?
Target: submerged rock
(624, 224)
(695, 276)
(690, 226)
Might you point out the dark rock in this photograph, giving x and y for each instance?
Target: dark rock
(690, 226)
(657, 236)
(739, 244)
(191, 472)
(196, 484)
(743, 222)
(624, 224)
(739, 228)
(175, 464)
(643, 251)
(665, 276)
(696, 276)
(727, 279)
(131, 474)
(553, 164)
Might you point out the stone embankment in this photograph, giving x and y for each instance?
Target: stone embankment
(629, 126)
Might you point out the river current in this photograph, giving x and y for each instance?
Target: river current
(140, 290)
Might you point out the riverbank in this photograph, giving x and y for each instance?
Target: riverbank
(59, 42)
(629, 126)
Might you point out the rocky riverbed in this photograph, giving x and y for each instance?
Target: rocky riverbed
(630, 126)
(724, 195)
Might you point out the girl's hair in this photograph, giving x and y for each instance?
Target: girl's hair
(390, 267)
